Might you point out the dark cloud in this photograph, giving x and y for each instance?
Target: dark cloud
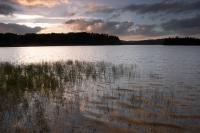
(175, 7)
(101, 26)
(148, 30)
(70, 14)
(18, 29)
(112, 27)
(164, 7)
(94, 8)
(6, 9)
(189, 26)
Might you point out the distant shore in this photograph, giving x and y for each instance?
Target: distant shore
(166, 41)
(53, 39)
(84, 39)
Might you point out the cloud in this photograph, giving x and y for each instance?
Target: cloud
(189, 26)
(148, 30)
(125, 30)
(175, 7)
(185, 27)
(94, 8)
(112, 27)
(6, 9)
(100, 26)
(18, 29)
(38, 3)
(164, 7)
(70, 14)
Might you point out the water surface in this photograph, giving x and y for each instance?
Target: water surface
(141, 89)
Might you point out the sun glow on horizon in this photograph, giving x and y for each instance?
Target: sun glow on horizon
(57, 28)
(26, 16)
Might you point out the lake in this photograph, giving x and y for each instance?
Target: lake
(100, 89)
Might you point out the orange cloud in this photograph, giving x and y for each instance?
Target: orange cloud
(93, 7)
(40, 3)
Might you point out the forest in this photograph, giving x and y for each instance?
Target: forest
(187, 41)
(83, 38)
(54, 39)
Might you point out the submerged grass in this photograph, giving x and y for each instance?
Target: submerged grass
(29, 91)
(53, 75)
(71, 96)
(48, 77)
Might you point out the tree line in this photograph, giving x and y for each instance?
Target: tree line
(53, 39)
(166, 41)
(181, 41)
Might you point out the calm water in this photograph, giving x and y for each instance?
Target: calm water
(139, 89)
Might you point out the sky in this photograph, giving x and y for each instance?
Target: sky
(128, 19)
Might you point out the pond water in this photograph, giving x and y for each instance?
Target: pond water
(100, 89)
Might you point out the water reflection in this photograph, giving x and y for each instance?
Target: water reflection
(93, 97)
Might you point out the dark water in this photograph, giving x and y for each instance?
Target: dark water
(139, 89)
